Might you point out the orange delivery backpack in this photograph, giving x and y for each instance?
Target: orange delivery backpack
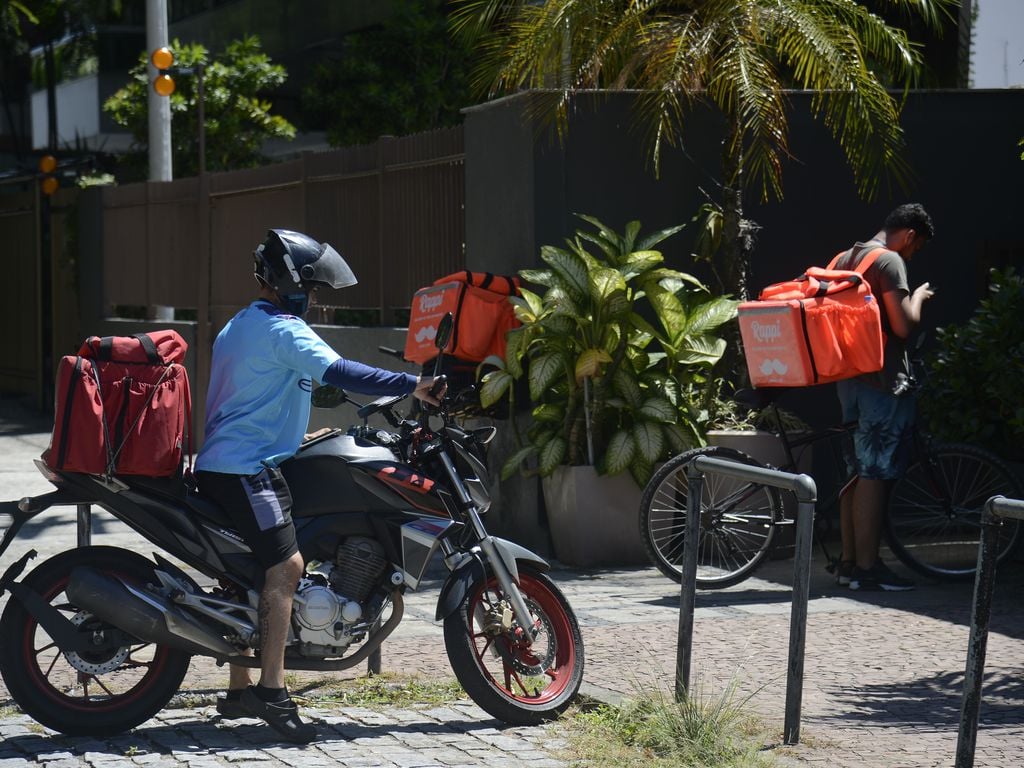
(483, 314)
(122, 406)
(823, 326)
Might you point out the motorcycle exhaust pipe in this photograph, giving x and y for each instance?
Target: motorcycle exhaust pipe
(143, 615)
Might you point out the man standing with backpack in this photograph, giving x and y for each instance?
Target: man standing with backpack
(884, 418)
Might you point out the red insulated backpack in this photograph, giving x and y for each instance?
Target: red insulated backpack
(122, 406)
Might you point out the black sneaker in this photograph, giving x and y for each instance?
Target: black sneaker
(282, 716)
(844, 570)
(230, 707)
(879, 578)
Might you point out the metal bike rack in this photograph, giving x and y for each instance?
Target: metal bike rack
(995, 509)
(84, 524)
(806, 495)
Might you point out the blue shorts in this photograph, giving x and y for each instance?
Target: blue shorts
(882, 440)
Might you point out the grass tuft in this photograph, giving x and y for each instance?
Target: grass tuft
(655, 731)
(385, 690)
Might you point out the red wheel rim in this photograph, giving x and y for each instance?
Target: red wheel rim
(557, 637)
(85, 702)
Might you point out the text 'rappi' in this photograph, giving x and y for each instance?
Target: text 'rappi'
(766, 331)
(428, 302)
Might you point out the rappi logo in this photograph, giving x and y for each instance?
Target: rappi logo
(428, 302)
(766, 332)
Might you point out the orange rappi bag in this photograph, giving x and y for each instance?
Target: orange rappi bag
(483, 315)
(823, 326)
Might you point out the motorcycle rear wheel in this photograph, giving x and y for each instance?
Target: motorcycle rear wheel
(101, 693)
(517, 683)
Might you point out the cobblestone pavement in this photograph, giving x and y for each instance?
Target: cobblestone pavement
(883, 672)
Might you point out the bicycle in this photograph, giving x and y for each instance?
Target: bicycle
(932, 522)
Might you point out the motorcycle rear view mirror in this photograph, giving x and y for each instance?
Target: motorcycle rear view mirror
(444, 331)
(328, 396)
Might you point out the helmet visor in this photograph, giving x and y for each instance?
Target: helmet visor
(329, 269)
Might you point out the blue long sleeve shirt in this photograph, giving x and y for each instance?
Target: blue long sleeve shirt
(264, 364)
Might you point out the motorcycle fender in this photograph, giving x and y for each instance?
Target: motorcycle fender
(56, 624)
(454, 590)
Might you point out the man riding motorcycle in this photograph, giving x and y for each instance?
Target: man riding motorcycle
(265, 362)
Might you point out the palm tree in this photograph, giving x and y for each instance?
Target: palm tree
(738, 55)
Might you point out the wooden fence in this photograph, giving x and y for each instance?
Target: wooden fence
(394, 209)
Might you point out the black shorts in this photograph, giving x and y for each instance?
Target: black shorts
(259, 506)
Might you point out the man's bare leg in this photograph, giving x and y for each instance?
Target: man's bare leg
(275, 618)
(868, 502)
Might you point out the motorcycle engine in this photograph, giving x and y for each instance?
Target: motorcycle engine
(327, 612)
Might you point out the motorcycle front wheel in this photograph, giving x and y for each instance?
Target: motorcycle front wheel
(516, 681)
(100, 692)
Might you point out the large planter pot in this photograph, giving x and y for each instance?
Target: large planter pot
(594, 518)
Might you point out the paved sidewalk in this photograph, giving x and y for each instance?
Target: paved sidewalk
(883, 672)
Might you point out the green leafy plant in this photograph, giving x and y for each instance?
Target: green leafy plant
(975, 381)
(407, 74)
(238, 120)
(613, 351)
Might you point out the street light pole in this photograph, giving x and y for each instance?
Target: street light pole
(201, 113)
(160, 168)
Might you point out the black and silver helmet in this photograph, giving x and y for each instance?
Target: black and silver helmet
(293, 264)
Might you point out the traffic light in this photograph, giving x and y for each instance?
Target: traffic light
(48, 182)
(163, 59)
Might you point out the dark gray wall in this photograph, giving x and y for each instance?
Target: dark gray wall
(963, 149)
(523, 188)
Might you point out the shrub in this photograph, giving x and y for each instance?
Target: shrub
(975, 390)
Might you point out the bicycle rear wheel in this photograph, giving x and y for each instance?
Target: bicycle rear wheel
(737, 521)
(934, 520)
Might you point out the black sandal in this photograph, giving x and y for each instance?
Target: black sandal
(282, 716)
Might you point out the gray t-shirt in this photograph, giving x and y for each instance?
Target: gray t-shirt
(888, 273)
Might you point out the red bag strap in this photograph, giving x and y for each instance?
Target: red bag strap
(488, 281)
(865, 261)
(188, 418)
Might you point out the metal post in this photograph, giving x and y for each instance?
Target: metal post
(160, 168)
(201, 115)
(806, 494)
(984, 585)
(84, 525)
(688, 588)
(798, 615)
(373, 661)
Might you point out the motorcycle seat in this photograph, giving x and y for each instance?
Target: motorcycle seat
(208, 509)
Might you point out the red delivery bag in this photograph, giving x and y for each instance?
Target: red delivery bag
(122, 406)
(482, 312)
(823, 326)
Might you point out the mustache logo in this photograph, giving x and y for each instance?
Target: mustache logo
(426, 333)
(768, 367)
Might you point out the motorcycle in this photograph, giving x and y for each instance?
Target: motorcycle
(96, 640)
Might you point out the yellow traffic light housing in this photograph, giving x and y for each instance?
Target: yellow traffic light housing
(164, 85)
(163, 59)
(49, 183)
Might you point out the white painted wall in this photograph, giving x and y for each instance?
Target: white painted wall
(997, 52)
(77, 112)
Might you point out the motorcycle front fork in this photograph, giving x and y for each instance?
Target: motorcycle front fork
(504, 576)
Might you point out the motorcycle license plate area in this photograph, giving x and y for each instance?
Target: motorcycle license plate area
(420, 540)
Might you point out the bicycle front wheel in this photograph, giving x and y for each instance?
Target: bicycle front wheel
(934, 520)
(737, 521)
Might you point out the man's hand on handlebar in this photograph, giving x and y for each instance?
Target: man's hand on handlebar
(426, 384)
